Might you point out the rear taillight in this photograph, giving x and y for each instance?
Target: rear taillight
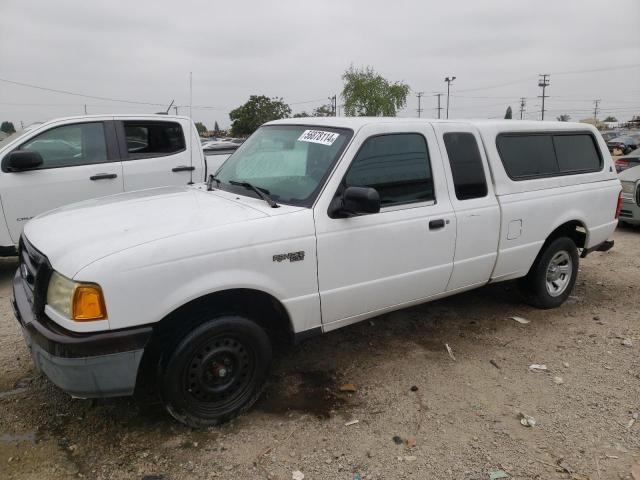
(619, 205)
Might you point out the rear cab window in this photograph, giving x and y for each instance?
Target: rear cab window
(145, 139)
(467, 170)
(547, 154)
(396, 165)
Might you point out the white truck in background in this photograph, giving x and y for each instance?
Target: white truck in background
(67, 160)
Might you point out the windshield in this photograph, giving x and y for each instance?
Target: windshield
(289, 162)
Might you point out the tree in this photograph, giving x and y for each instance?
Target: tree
(7, 127)
(259, 109)
(563, 118)
(367, 93)
(301, 114)
(509, 113)
(323, 111)
(610, 119)
(202, 129)
(216, 128)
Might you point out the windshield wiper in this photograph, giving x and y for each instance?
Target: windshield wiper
(262, 193)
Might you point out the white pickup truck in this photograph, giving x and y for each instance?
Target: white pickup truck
(313, 224)
(72, 159)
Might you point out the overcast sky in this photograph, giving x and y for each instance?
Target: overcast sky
(298, 50)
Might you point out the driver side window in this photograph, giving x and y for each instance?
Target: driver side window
(397, 166)
(70, 145)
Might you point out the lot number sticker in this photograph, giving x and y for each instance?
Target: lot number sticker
(318, 136)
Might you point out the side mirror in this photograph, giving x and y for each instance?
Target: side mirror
(21, 160)
(357, 201)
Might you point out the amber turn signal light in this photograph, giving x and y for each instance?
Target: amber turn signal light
(88, 303)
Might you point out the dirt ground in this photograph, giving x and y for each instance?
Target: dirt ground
(462, 413)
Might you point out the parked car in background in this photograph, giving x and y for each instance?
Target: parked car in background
(312, 225)
(636, 137)
(609, 135)
(71, 159)
(630, 209)
(621, 145)
(628, 161)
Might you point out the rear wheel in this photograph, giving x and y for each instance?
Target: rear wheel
(552, 277)
(216, 371)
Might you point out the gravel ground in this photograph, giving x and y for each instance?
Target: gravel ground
(452, 419)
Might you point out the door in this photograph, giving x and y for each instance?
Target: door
(80, 161)
(155, 154)
(475, 204)
(404, 253)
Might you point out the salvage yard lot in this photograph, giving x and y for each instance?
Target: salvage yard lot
(463, 414)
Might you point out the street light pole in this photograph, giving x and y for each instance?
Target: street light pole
(448, 80)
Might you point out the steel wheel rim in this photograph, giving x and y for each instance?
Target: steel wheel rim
(559, 273)
(218, 373)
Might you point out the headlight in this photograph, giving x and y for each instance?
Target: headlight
(77, 301)
(628, 187)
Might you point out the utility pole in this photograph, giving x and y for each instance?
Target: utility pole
(448, 80)
(419, 95)
(333, 101)
(176, 109)
(21, 125)
(595, 109)
(438, 108)
(85, 108)
(523, 103)
(543, 82)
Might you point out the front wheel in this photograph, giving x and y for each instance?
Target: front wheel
(216, 372)
(553, 275)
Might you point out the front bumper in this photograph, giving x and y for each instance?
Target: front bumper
(96, 364)
(630, 211)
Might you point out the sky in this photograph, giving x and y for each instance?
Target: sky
(298, 50)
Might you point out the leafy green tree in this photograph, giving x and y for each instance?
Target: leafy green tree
(7, 127)
(259, 109)
(509, 113)
(202, 129)
(563, 118)
(610, 119)
(301, 115)
(367, 93)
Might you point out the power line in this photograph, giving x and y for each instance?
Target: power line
(602, 69)
(66, 92)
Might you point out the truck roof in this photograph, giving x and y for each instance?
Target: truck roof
(148, 116)
(356, 123)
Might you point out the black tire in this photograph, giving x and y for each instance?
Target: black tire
(539, 288)
(216, 372)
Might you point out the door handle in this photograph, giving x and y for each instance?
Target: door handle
(103, 176)
(183, 168)
(435, 224)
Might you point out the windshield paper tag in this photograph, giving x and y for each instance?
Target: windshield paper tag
(318, 136)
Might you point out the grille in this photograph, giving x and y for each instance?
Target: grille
(638, 194)
(35, 271)
(626, 214)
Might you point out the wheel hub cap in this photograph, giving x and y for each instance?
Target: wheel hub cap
(559, 273)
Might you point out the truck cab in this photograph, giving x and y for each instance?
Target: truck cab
(78, 158)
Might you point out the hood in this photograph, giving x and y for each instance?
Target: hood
(75, 235)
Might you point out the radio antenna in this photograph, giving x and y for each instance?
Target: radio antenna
(190, 128)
